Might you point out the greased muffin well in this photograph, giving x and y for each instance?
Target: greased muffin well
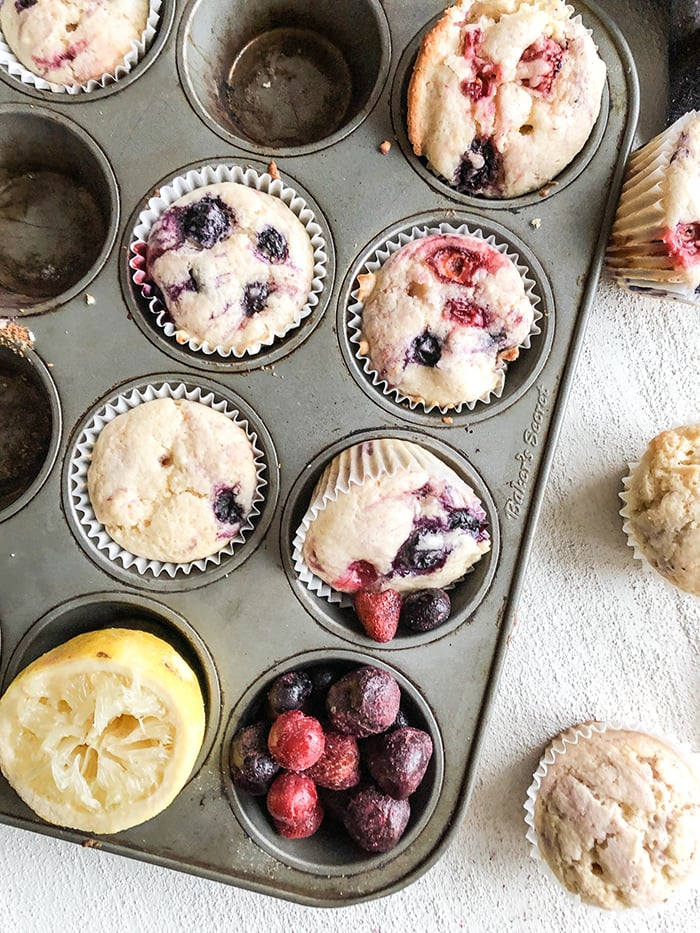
(662, 506)
(172, 480)
(504, 94)
(442, 318)
(69, 42)
(617, 816)
(234, 265)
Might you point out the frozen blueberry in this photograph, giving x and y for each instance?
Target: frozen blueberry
(255, 297)
(188, 285)
(252, 766)
(479, 169)
(425, 610)
(288, 691)
(208, 221)
(226, 509)
(426, 349)
(23, 4)
(422, 551)
(272, 245)
(469, 521)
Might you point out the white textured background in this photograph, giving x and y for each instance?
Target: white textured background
(596, 638)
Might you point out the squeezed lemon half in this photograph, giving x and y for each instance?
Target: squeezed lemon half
(102, 732)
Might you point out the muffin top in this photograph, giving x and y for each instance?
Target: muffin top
(504, 94)
(234, 265)
(662, 506)
(617, 818)
(172, 480)
(442, 317)
(410, 527)
(681, 202)
(69, 42)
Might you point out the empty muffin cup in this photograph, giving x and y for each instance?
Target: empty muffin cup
(68, 48)
(234, 524)
(351, 782)
(30, 420)
(59, 209)
(276, 76)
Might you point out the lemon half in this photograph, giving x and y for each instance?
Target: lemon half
(102, 732)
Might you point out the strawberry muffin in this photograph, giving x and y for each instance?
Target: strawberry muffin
(442, 318)
(234, 266)
(389, 514)
(69, 42)
(172, 480)
(504, 94)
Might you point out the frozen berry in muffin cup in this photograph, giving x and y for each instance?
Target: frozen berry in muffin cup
(438, 313)
(67, 47)
(229, 261)
(168, 480)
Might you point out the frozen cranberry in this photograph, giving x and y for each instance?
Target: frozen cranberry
(296, 740)
(375, 820)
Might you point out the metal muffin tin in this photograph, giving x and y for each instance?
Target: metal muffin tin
(252, 618)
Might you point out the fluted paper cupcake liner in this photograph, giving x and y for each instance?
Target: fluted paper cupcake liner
(556, 749)
(95, 531)
(353, 467)
(637, 256)
(139, 47)
(209, 175)
(377, 260)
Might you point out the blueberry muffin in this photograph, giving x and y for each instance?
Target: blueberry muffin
(617, 816)
(662, 506)
(655, 240)
(234, 266)
(504, 94)
(387, 513)
(442, 318)
(172, 480)
(69, 42)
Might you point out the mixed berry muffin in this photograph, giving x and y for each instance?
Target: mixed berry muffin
(662, 506)
(616, 816)
(442, 318)
(655, 240)
(389, 514)
(69, 42)
(504, 94)
(234, 266)
(172, 480)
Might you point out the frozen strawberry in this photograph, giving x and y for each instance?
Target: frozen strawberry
(398, 760)
(364, 701)
(302, 828)
(292, 798)
(296, 740)
(339, 766)
(379, 613)
(375, 820)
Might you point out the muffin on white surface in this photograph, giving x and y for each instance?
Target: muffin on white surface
(389, 514)
(442, 317)
(234, 265)
(172, 480)
(67, 42)
(654, 245)
(615, 815)
(504, 94)
(662, 506)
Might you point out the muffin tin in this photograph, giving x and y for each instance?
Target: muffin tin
(307, 396)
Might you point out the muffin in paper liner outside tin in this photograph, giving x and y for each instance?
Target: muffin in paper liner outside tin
(133, 56)
(95, 534)
(613, 815)
(202, 178)
(463, 339)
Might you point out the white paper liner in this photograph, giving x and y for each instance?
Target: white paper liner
(556, 749)
(353, 467)
(356, 307)
(208, 175)
(139, 47)
(636, 255)
(82, 455)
